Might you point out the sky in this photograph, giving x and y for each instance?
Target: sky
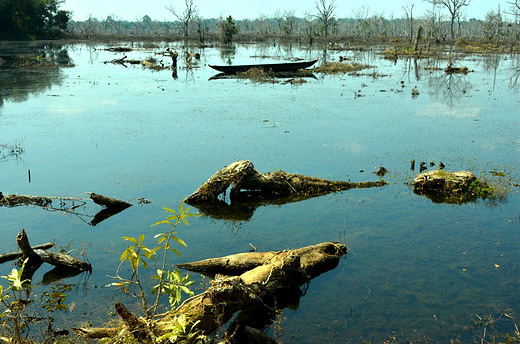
(242, 9)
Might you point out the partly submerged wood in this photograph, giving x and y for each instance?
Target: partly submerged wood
(54, 258)
(451, 69)
(5, 257)
(262, 283)
(112, 206)
(243, 176)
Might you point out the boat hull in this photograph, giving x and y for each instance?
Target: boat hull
(273, 67)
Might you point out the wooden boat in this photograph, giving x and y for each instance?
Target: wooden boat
(274, 67)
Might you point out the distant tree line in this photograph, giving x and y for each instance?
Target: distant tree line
(446, 19)
(32, 19)
(362, 25)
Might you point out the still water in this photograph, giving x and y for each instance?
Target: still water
(415, 269)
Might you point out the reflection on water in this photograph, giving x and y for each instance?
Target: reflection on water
(26, 71)
(415, 269)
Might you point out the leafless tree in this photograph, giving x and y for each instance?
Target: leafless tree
(408, 10)
(310, 26)
(454, 7)
(325, 14)
(362, 16)
(290, 22)
(185, 16)
(279, 17)
(515, 11)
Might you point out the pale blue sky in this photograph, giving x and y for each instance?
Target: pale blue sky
(240, 9)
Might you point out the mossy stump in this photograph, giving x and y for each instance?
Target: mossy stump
(450, 187)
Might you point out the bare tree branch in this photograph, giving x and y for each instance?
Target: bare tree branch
(186, 16)
(454, 7)
(325, 14)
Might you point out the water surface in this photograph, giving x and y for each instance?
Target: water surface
(415, 269)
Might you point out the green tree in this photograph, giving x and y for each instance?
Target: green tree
(32, 19)
(228, 28)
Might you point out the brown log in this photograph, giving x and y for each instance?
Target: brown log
(5, 257)
(255, 291)
(96, 332)
(53, 258)
(221, 180)
(243, 176)
(418, 36)
(135, 326)
(108, 202)
(16, 200)
(285, 269)
(232, 265)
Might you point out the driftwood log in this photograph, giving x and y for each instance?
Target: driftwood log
(251, 189)
(5, 257)
(257, 285)
(38, 256)
(111, 205)
(451, 69)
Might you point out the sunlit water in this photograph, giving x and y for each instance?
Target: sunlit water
(415, 269)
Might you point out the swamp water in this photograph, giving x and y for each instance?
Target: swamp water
(415, 269)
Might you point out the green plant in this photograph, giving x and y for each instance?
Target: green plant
(137, 254)
(183, 331)
(172, 285)
(55, 300)
(228, 28)
(12, 315)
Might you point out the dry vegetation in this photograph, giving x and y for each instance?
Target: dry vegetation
(340, 67)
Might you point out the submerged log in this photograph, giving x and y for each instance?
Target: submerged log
(108, 202)
(53, 258)
(15, 255)
(284, 270)
(243, 176)
(96, 332)
(17, 200)
(450, 69)
(232, 265)
(270, 280)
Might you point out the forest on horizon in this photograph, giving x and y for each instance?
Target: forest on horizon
(43, 19)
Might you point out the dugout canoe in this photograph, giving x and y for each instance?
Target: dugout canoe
(274, 67)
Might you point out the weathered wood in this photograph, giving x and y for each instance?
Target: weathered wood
(108, 202)
(53, 258)
(135, 326)
(232, 265)
(418, 36)
(96, 332)
(221, 180)
(257, 292)
(5, 257)
(450, 187)
(450, 69)
(243, 176)
(17, 200)
(285, 269)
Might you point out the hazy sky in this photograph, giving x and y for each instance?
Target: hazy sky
(241, 9)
